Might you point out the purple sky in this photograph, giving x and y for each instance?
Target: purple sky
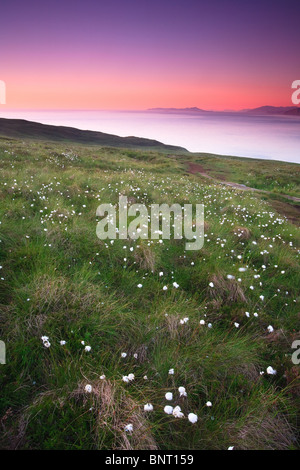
(124, 54)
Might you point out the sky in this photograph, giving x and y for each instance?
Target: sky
(139, 54)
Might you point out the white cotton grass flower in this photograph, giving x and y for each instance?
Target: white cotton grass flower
(123, 355)
(230, 276)
(271, 371)
(169, 396)
(168, 409)
(211, 284)
(192, 418)
(209, 403)
(87, 348)
(270, 329)
(202, 322)
(140, 286)
(182, 392)
(177, 412)
(102, 377)
(88, 388)
(148, 407)
(230, 447)
(171, 371)
(125, 379)
(184, 321)
(131, 377)
(175, 285)
(165, 288)
(128, 428)
(236, 325)
(62, 343)
(46, 341)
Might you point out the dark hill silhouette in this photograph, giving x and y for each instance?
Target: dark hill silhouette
(22, 129)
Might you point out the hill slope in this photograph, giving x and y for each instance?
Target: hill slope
(129, 320)
(20, 129)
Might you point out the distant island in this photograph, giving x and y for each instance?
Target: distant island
(260, 111)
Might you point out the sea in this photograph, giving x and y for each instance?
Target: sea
(228, 133)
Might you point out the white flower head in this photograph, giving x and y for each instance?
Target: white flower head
(128, 428)
(148, 407)
(169, 396)
(177, 412)
(168, 409)
(88, 388)
(271, 371)
(192, 418)
(182, 392)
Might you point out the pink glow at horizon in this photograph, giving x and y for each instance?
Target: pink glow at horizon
(138, 55)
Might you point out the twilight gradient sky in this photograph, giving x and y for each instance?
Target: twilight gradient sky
(137, 54)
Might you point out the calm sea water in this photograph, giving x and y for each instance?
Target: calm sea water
(267, 137)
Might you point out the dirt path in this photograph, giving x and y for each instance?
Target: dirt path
(195, 168)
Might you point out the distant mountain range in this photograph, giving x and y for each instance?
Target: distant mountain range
(22, 129)
(262, 110)
(285, 110)
(178, 110)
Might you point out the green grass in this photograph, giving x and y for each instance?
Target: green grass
(60, 280)
(275, 176)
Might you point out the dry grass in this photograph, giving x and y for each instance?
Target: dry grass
(265, 433)
(114, 409)
(242, 232)
(226, 289)
(145, 258)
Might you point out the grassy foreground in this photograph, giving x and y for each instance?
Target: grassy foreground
(60, 281)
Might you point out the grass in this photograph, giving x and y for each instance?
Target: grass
(59, 280)
(277, 177)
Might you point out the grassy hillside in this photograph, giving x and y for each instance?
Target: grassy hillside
(60, 281)
(275, 176)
